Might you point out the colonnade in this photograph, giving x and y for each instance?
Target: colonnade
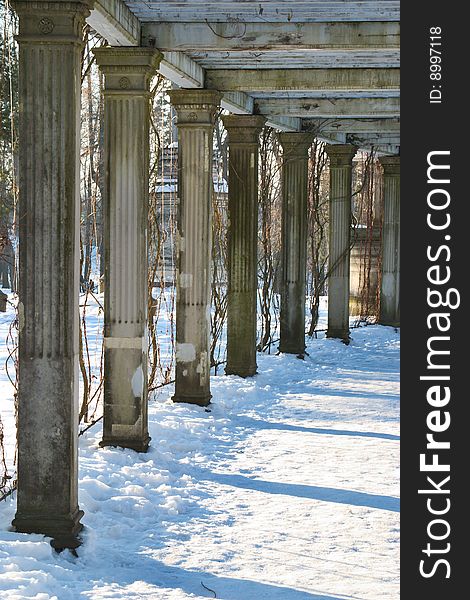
(50, 42)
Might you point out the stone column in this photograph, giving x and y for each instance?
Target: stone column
(341, 156)
(243, 133)
(295, 148)
(196, 112)
(50, 40)
(390, 288)
(127, 74)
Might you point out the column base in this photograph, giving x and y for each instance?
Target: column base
(137, 445)
(199, 400)
(63, 530)
(288, 349)
(390, 323)
(241, 371)
(339, 334)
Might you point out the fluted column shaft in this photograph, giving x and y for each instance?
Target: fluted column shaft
(196, 112)
(294, 240)
(340, 156)
(50, 40)
(390, 287)
(127, 73)
(242, 243)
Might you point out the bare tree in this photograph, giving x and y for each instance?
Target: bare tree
(269, 236)
(317, 229)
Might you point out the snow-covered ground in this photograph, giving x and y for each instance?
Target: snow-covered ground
(286, 489)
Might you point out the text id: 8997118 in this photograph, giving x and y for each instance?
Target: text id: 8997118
(435, 64)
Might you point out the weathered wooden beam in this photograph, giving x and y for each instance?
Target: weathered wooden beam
(182, 70)
(373, 139)
(381, 150)
(282, 123)
(332, 108)
(113, 20)
(254, 80)
(297, 59)
(352, 126)
(237, 35)
(325, 94)
(273, 11)
(185, 73)
(238, 103)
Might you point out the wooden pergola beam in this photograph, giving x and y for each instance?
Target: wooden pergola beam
(232, 36)
(333, 108)
(262, 80)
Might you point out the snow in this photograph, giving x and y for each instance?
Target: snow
(185, 352)
(285, 489)
(137, 382)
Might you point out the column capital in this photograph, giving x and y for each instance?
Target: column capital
(243, 129)
(52, 22)
(295, 143)
(196, 107)
(340, 155)
(127, 70)
(390, 164)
